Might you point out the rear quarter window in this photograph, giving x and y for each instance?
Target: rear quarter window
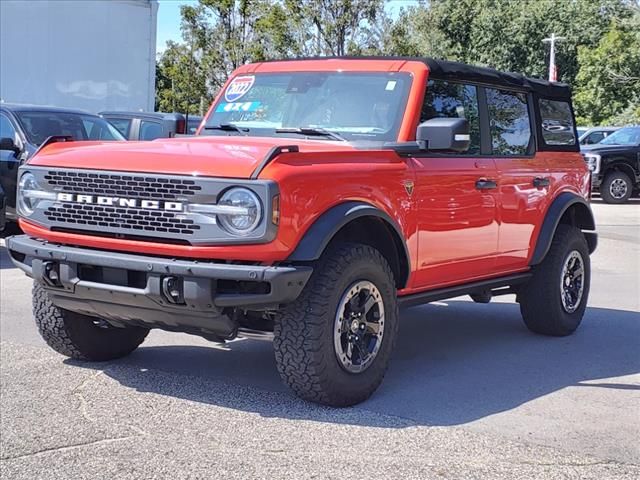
(557, 123)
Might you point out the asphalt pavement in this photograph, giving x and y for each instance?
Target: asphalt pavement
(470, 394)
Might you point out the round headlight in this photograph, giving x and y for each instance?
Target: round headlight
(26, 202)
(248, 215)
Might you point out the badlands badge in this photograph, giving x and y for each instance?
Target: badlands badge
(238, 87)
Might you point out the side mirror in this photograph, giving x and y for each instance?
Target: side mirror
(7, 143)
(444, 134)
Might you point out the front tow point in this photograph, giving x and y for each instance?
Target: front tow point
(51, 274)
(173, 290)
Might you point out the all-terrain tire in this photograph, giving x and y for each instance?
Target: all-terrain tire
(540, 299)
(611, 185)
(77, 336)
(304, 331)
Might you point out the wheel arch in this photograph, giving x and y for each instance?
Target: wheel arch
(570, 209)
(358, 222)
(622, 165)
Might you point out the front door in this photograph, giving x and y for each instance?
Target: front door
(456, 198)
(457, 226)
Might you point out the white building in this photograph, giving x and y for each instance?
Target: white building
(93, 55)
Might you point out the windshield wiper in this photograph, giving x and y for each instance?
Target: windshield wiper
(227, 127)
(312, 131)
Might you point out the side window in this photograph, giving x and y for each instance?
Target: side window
(123, 125)
(446, 99)
(557, 124)
(595, 137)
(509, 121)
(6, 128)
(150, 130)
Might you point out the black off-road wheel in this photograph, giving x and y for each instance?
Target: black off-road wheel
(616, 187)
(334, 343)
(79, 336)
(553, 302)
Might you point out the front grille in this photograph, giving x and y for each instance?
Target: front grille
(126, 218)
(106, 208)
(121, 185)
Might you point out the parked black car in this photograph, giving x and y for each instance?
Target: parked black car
(23, 128)
(615, 164)
(151, 125)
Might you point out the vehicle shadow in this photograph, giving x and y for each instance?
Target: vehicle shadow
(597, 200)
(454, 363)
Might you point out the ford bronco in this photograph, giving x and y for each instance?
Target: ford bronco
(318, 197)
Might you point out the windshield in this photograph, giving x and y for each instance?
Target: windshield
(38, 126)
(354, 106)
(624, 136)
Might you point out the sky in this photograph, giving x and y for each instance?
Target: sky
(169, 18)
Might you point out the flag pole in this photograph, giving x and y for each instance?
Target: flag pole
(553, 69)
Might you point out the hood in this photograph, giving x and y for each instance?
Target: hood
(212, 156)
(602, 149)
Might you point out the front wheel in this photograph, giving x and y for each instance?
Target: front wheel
(79, 336)
(616, 187)
(553, 302)
(333, 344)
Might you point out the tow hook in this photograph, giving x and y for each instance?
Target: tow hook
(51, 274)
(173, 290)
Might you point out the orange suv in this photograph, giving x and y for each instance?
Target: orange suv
(317, 198)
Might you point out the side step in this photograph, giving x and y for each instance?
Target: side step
(466, 289)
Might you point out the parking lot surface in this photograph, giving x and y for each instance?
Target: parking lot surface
(470, 394)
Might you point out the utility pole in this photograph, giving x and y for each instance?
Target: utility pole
(553, 70)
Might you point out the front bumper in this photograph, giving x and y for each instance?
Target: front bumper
(129, 289)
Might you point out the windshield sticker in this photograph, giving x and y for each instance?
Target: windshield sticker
(391, 85)
(238, 107)
(238, 87)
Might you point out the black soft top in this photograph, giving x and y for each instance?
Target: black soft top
(462, 72)
(445, 70)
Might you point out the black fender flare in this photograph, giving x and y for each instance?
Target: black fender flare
(327, 225)
(554, 214)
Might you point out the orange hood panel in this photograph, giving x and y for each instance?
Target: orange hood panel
(215, 156)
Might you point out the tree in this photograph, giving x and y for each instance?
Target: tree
(339, 27)
(506, 34)
(608, 82)
(180, 80)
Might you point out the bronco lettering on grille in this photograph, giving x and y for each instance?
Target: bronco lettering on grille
(121, 202)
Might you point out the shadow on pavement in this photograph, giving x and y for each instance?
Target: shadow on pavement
(454, 362)
(597, 200)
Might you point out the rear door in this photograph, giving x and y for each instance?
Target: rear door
(456, 196)
(523, 176)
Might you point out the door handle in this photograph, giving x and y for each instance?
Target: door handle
(485, 184)
(540, 182)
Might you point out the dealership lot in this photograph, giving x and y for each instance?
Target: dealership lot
(470, 394)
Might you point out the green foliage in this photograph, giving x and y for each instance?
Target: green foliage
(180, 80)
(608, 82)
(599, 56)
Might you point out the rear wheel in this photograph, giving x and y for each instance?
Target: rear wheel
(80, 336)
(553, 302)
(617, 187)
(333, 344)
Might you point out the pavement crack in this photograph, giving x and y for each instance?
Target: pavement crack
(69, 447)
